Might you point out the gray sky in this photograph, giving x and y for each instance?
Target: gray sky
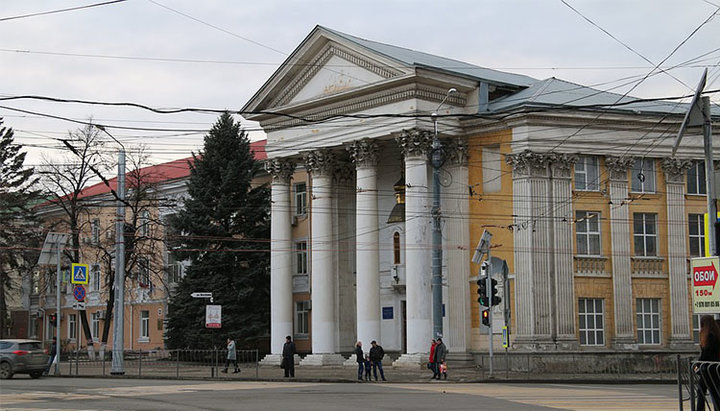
(237, 45)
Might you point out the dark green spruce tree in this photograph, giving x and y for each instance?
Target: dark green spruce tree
(19, 238)
(224, 229)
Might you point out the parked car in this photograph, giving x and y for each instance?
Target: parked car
(22, 357)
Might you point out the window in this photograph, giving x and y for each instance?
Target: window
(95, 275)
(396, 248)
(143, 271)
(642, 178)
(586, 174)
(300, 198)
(144, 325)
(144, 223)
(696, 179)
(696, 327)
(587, 232)
(95, 325)
(72, 326)
(696, 231)
(175, 269)
(648, 320)
(592, 323)
(645, 234)
(302, 318)
(301, 263)
(95, 231)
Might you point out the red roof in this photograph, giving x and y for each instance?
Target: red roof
(171, 170)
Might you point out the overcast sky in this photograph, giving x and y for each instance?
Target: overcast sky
(130, 52)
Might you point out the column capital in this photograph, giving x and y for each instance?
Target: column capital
(618, 167)
(320, 162)
(675, 169)
(456, 151)
(344, 172)
(415, 142)
(528, 163)
(561, 164)
(281, 169)
(364, 153)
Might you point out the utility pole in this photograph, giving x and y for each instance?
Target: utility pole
(699, 114)
(118, 366)
(437, 160)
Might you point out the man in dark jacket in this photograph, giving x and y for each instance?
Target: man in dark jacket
(440, 352)
(288, 360)
(376, 355)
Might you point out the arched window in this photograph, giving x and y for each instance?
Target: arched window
(396, 248)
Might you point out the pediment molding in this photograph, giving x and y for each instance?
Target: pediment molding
(318, 63)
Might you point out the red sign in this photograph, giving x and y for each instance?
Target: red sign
(706, 295)
(79, 292)
(706, 275)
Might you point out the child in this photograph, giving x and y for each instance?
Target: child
(368, 365)
(443, 369)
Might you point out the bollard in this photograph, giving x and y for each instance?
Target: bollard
(140, 364)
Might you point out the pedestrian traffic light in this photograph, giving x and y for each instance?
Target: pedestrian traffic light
(53, 319)
(494, 297)
(486, 317)
(482, 291)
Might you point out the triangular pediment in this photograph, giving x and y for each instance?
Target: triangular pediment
(324, 64)
(335, 69)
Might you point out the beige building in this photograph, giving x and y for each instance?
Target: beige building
(595, 220)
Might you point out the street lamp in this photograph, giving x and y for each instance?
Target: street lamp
(118, 367)
(437, 160)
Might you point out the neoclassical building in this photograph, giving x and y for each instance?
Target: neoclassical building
(576, 185)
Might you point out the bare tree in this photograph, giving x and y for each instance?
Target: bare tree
(65, 180)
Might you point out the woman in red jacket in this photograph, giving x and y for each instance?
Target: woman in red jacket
(431, 364)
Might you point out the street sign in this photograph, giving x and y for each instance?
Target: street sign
(483, 247)
(706, 296)
(80, 306)
(201, 295)
(79, 292)
(213, 316)
(79, 274)
(505, 337)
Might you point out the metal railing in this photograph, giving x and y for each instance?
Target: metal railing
(161, 363)
(698, 384)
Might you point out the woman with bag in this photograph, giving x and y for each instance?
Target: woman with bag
(709, 351)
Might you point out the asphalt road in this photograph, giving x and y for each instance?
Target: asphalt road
(150, 394)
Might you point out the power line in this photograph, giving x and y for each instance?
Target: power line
(61, 10)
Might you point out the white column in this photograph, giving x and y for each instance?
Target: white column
(281, 309)
(415, 144)
(320, 164)
(680, 330)
(456, 231)
(621, 239)
(364, 154)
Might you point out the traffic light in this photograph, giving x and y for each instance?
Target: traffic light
(53, 319)
(486, 317)
(494, 297)
(482, 291)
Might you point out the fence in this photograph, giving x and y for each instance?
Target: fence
(160, 363)
(698, 384)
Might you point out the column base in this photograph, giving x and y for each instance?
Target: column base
(682, 344)
(534, 343)
(351, 361)
(273, 360)
(460, 360)
(319, 360)
(567, 343)
(417, 360)
(625, 344)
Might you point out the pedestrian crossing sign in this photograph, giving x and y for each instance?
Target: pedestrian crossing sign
(79, 274)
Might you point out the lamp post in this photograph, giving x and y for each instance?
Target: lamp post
(437, 159)
(118, 367)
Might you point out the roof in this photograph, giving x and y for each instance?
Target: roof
(160, 173)
(555, 92)
(417, 58)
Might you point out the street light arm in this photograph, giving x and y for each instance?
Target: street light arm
(103, 129)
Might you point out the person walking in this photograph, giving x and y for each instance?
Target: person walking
(431, 362)
(709, 351)
(288, 357)
(359, 358)
(440, 352)
(376, 356)
(231, 356)
(53, 353)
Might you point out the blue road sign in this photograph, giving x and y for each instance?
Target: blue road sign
(79, 292)
(79, 274)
